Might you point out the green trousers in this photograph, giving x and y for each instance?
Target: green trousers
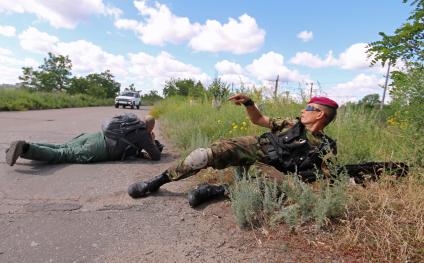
(86, 148)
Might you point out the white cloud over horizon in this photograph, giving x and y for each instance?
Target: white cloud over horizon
(356, 88)
(161, 68)
(36, 41)
(60, 13)
(89, 58)
(11, 67)
(271, 64)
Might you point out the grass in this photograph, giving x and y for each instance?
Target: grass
(383, 221)
(21, 99)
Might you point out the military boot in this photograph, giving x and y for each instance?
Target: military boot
(16, 149)
(205, 192)
(142, 189)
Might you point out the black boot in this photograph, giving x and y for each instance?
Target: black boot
(142, 189)
(205, 192)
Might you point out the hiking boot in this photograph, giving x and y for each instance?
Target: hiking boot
(15, 150)
(205, 192)
(142, 189)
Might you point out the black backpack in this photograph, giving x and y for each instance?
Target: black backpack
(118, 128)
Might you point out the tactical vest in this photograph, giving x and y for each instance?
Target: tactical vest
(290, 151)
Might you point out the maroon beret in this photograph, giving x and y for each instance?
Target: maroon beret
(324, 101)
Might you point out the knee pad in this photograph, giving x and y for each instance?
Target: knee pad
(198, 158)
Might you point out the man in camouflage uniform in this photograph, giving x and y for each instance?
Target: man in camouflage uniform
(292, 146)
(87, 148)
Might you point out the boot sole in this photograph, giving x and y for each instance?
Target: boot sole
(15, 150)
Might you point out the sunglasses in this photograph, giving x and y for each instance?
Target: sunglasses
(311, 108)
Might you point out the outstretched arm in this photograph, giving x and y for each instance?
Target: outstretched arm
(255, 116)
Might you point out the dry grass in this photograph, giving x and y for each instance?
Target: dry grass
(385, 221)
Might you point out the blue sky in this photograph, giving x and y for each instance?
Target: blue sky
(246, 43)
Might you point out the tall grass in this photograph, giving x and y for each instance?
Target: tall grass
(384, 220)
(21, 99)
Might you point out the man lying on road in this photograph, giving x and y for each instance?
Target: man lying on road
(293, 145)
(94, 147)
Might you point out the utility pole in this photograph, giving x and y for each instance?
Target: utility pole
(310, 93)
(385, 86)
(276, 86)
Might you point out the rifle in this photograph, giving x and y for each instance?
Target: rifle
(374, 170)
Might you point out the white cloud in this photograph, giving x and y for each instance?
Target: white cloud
(36, 41)
(11, 68)
(148, 72)
(88, 58)
(305, 36)
(160, 26)
(161, 68)
(271, 64)
(231, 72)
(60, 13)
(356, 89)
(236, 37)
(227, 67)
(313, 61)
(7, 31)
(354, 57)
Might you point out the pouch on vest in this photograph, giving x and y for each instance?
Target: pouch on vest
(290, 151)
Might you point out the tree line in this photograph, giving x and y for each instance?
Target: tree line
(55, 75)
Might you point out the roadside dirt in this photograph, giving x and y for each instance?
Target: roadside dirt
(82, 213)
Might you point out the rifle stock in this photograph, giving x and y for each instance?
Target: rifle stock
(374, 170)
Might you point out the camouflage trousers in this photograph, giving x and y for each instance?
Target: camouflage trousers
(241, 151)
(85, 148)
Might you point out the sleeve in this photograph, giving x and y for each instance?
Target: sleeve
(149, 145)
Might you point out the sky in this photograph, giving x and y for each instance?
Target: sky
(318, 45)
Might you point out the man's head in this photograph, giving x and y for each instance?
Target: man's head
(150, 122)
(319, 111)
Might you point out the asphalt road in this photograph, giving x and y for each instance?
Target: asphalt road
(81, 213)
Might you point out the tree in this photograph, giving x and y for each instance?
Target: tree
(79, 85)
(218, 89)
(28, 78)
(407, 87)
(55, 73)
(183, 87)
(407, 42)
(150, 98)
(104, 81)
(370, 100)
(132, 87)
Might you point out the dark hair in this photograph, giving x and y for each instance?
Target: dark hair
(330, 113)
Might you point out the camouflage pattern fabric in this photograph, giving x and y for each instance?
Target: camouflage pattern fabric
(239, 151)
